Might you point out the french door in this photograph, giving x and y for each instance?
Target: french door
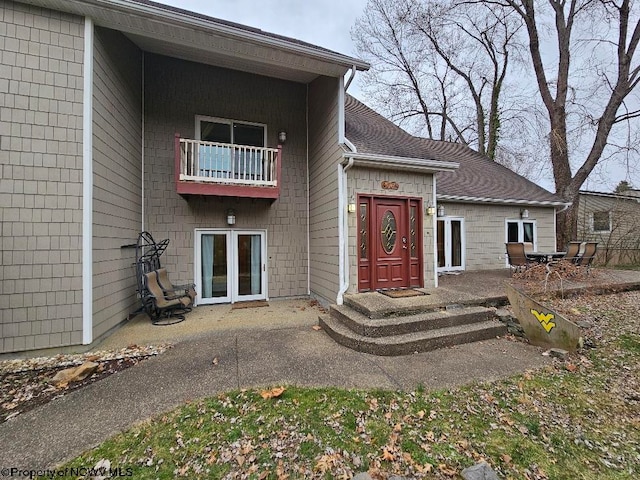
(450, 236)
(230, 266)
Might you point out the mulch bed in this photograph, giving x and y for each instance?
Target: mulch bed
(26, 383)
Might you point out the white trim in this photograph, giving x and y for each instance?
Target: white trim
(343, 232)
(142, 153)
(350, 145)
(434, 225)
(87, 185)
(388, 162)
(231, 236)
(447, 244)
(504, 201)
(520, 222)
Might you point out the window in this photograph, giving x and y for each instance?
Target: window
(601, 221)
(239, 157)
(219, 130)
(522, 231)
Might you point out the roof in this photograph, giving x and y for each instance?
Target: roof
(631, 194)
(478, 179)
(180, 33)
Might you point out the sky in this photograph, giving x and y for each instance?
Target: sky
(327, 23)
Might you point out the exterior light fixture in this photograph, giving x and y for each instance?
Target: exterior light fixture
(441, 210)
(282, 136)
(351, 206)
(431, 211)
(524, 213)
(231, 217)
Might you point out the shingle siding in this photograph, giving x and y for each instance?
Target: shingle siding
(485, 231)
(41, 54)
(324, 154)
(195, 89)
(117, 154)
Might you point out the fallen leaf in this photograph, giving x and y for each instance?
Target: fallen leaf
(215, 361)
(387, 456)
(571, 367)
(273, 393)
(448, 471)
(505, 458)
(317, 327)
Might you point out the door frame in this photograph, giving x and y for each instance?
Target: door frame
(366, 276)
(447, 244)
(232, 265)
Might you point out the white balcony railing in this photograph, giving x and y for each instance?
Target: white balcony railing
(225, 163)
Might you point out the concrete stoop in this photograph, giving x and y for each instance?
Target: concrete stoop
(411, 332)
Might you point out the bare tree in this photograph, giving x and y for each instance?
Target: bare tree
(584, 87)
(440, 66)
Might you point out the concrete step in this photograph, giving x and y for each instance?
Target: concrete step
(407, 343)
(430, 320)
(377, 305)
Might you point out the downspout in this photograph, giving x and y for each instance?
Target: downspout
(351, 77)
(87, 185)
(308, 202)
(343, 231)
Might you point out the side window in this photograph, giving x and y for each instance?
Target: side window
(601, 221)
(521, 231)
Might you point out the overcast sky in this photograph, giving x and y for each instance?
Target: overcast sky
(327, 23)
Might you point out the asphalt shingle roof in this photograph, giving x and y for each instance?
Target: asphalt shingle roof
(477, 176)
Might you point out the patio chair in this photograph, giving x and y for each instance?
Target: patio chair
(172, 290)
(163, 309)
(586, 259)
(517, 257)
(573, 251)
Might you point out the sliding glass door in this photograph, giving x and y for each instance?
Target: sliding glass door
(230, 266)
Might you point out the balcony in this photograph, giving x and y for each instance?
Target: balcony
(229, 170)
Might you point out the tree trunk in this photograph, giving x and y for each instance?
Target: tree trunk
(567, 225)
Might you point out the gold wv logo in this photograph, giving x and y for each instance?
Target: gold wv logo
(544, 319)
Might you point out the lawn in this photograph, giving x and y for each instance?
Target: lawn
(576, 419)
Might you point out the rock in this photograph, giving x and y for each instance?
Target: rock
(74, 374)
(558, 353)
(362, 476)
(584, 324)
(479, 471)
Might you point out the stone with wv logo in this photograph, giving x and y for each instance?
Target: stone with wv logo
(544, 319)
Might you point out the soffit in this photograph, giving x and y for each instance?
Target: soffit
(198, 39)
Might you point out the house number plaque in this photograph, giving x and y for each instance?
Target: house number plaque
(390, 185)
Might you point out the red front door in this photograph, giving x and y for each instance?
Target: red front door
(390, 240)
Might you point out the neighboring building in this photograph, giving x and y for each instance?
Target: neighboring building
(612, 220)
(120, 116)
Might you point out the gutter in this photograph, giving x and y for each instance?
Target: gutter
(388, 162)
(503, 201)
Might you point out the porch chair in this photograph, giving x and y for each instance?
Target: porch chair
(163, 309)
(172, 290)
(517, 257)
(573, 252)
(586, 259)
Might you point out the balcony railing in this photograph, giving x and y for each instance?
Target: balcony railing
(210, 168)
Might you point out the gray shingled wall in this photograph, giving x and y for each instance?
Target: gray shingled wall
(41, 55)
(175, 92)
(117, 153)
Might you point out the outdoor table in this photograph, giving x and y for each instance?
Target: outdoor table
(545, 257)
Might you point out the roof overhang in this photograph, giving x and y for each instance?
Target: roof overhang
(618, 196)
(501, 201)
(178, 33)
(386, 162)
